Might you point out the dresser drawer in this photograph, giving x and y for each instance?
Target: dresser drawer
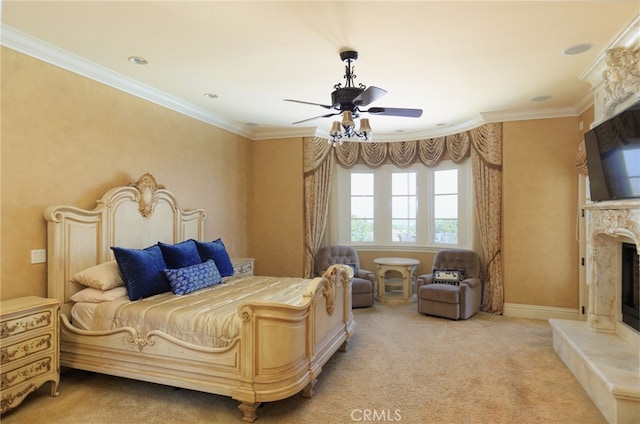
(30, 370)
(242, 266)
(23, 324)
(31, 346)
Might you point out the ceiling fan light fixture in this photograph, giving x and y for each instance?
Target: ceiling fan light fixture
(346, 130)
(348, 101)
(365, 128)
(347, 121)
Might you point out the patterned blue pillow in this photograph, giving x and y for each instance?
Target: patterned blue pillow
(141, 271)
(195, 277)
(218, 252)
(180, 254)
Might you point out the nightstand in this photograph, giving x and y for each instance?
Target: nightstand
(242, 266)
(29, 340)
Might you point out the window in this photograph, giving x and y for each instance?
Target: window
(405, 207)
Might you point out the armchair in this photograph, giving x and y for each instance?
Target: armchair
(363, 284)
(455, 294)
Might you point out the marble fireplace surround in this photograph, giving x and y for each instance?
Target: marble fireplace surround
(603, 353)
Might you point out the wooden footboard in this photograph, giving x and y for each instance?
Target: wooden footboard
(280, 352)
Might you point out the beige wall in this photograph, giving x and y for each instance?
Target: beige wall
(277, 223)
(67, 139)
(540, 250)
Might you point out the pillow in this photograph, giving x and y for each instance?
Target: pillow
(92, 295)
(181, 254)
(195, 277)
(448, 276)
(103, 276)
(142, 271)
(215, 250)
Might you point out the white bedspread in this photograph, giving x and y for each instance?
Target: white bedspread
(207, 317)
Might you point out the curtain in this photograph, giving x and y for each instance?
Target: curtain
(318, 173)
(486, 163)
(483, 145)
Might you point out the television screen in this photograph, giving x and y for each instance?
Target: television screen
(613, 156)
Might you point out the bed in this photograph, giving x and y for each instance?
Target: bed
(279, 347)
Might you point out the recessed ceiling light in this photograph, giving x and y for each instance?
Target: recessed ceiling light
(577, 49)
(210, 95)
(540, 98)
(138, 60)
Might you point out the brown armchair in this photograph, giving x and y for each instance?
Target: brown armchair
(363, 285)
(453, 290)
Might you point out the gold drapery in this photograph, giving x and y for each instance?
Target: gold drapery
(482, 144)
(404, 153)
(318, 172)
(486, 164)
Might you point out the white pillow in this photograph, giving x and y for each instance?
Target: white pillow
(92, 295)
(103, 276)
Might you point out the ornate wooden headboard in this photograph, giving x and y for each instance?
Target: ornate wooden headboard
(135, 216)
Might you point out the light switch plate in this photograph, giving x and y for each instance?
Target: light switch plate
(38, 256)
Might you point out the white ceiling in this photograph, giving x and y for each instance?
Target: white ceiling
(463, 63)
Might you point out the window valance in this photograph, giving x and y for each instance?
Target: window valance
(429, 151)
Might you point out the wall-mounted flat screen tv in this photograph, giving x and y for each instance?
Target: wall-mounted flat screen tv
(613, 156)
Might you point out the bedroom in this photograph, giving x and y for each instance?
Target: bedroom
(67, 139)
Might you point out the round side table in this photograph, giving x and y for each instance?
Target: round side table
(407, 269)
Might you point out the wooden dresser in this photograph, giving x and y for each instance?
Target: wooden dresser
(29, 343)
(242, 266)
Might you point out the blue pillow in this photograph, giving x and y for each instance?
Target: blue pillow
(191, 278)
(181, 254)
(142, 271)
(215, 250)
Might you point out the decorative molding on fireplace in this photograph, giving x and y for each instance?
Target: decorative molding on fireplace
(610, 224)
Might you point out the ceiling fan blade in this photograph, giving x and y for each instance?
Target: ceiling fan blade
(394, 111)
(317, 117)
(369, 95)
(308, 103)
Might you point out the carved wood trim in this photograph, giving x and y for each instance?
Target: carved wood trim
(147, 186)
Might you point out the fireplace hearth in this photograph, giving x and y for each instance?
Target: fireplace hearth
(604, 353)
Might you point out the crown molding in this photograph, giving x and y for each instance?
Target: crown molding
(38, 49)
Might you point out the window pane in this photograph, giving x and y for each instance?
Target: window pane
(403, 183)
(361, 230)
(404, 230)
(446, 206)
(362, 207)
(446, 231)
(362, 184)
(446, 182)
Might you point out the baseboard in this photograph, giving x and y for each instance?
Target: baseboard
(517, 310)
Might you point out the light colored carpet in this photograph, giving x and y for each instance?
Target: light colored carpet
(400, 367)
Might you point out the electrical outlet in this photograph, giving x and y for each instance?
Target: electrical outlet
(38, 256)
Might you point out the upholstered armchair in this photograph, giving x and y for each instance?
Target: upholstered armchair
(363, 284)
(453, 290)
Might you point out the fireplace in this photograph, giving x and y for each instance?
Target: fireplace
(630, 290)
(604, 353)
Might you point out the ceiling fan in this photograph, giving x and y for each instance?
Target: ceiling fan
(348, 101)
